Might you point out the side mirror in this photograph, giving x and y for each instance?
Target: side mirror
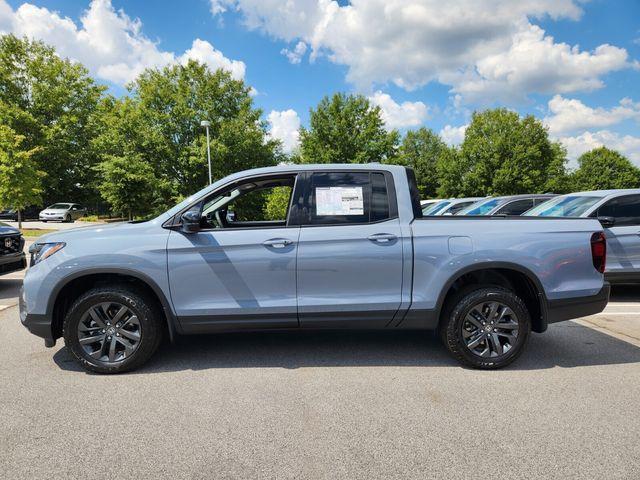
(607, 222)
(190, 221)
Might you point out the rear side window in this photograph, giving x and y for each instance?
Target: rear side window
(342, 198)
(517, 207)
(626, 210)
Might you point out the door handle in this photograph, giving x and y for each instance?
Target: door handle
(383, 237)
(277, 242)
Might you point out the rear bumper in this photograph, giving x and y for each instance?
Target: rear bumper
(39, 325)
(13, 262)
(566, 309)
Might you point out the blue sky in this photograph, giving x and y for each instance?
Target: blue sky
(573, 63)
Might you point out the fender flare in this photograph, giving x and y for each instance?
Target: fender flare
(532, 277)
(172, 322)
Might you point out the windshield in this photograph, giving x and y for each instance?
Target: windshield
(59, 206)
(565, 206)
(435, 208)
(480, 208)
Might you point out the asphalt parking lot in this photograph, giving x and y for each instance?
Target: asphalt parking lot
(327, 405)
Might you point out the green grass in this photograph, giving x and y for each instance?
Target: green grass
(35, 232)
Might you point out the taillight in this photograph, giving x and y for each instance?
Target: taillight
(599, 251)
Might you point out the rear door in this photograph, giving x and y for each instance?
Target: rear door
(623, 239)
(349, 251)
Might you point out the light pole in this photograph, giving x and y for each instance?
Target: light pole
(206, 124)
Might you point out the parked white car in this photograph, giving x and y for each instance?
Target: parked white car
(619, 214)
(62, 212)
(450, 206)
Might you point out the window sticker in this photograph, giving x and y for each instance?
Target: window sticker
(339, 201)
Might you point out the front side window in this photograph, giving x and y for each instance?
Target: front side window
(626, 210)
(338, 198)
(254, 203)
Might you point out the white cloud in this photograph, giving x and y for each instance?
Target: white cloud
(295, 55)
(534, 63)
(628, 145)
(203, 51)
(453, 135)
(285, 126)
(399, 115)
(108, 42)
(484, 49)
(570, 115)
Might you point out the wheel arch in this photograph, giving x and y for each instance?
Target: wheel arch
(510, 275)
(73, 286)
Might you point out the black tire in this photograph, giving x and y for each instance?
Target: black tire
(453, 320)
(68, 219)
(145, 309)
(44, 221)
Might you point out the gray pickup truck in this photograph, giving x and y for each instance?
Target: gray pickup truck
(310, 247)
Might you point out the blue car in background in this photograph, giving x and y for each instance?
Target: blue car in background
(619, 213)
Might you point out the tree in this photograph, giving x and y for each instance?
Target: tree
(20, 179)
(504, 154)
(347, 129)
(450, 169)
(128, 184)
(602, 169)
(160, 124)
(421, 150)
(50, 102)
(277, 203)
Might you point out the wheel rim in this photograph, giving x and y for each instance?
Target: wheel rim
(109, 332)
(490, 329)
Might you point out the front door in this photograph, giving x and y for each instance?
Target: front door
(239, 270)
(349, 252)
(623, 238)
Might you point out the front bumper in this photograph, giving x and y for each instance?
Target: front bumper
(53, 218)
(39, 325)
(566, 309)
(13, 262)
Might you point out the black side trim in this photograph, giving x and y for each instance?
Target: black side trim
(194, 324)
(576, 307)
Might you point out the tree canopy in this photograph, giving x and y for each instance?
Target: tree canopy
(50, 102)
(347, 129)
(20, 179)
(602, 169)
(503, 153)
(420, 150)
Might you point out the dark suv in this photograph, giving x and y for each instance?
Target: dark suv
(12, 257)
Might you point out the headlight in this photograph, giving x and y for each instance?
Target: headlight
(41, 251)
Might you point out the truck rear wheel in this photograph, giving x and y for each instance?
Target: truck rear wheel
(486, 327)
(112, 329)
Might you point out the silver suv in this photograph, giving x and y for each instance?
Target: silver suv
(619, 214)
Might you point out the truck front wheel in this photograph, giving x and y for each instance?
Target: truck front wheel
(486, 327)
(112, 329)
